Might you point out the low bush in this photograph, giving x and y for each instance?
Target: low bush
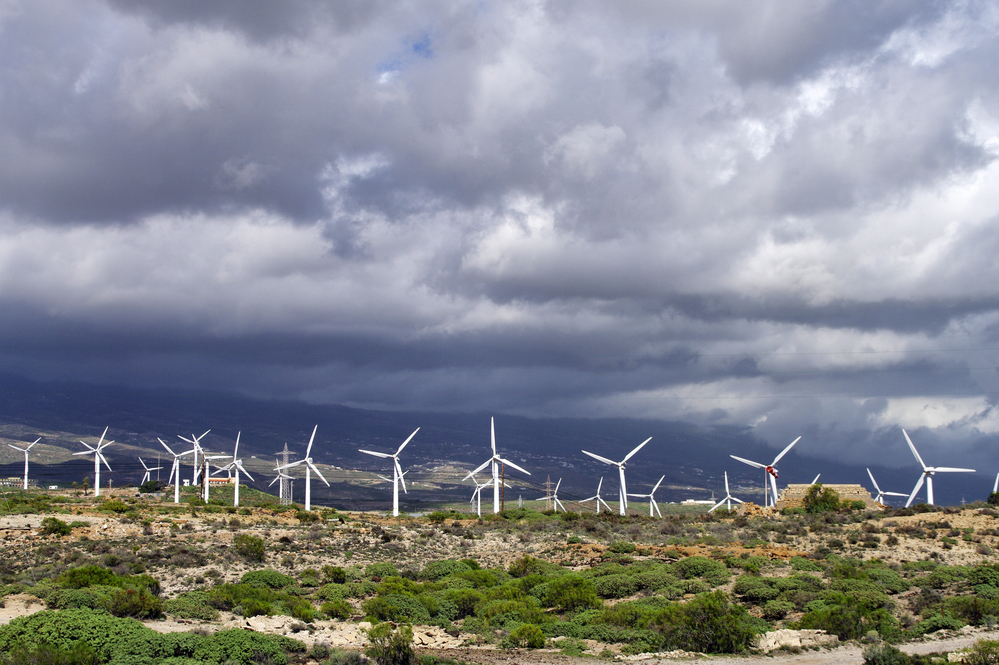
(53, 526)
(526, 635)
(267, 578)
(337, 609)
(250, 548)
(436, 570)
(391, 646)
(191, 605)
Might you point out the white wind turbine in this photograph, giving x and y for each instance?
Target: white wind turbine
(25, 451)
(769, 472)
(623, 491)
(309, 466)
(651, 496)
(596, 497)
(149, 474)
(235, 466)
(881, 492)
(995, 488)
(196, 442)
(175, 469)
(98, 458)
(281, 474)
(728, 497)
(927, 475)
(495, 460)
(554, 497)
(396, 471)
(477, 495)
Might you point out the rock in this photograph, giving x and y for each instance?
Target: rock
(801, 639)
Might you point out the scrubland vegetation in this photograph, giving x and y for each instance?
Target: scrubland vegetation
(577, 583)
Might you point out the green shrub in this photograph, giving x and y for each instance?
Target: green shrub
(138, 603)
(53, 526)
(382, 569)
(246, 647)
(397, 608)
(436, 570)
(885, 654)
(391, 646)
(337, 609)
(114, 506)
(936, 622)
(711, 571)
(77, 653)
(617, 586)
(525, 635)
(776, 609)
(331, 592)
(982, 652)
(622, 547)
(267, 578)
(819, 499)
(569, 593)
(334, 575)
(191, 605)
(250, 548)
(85, 576)
(850, 616)
(104, 633)
(528, 565)
(345, 657)
(801, 563)
(708, 623)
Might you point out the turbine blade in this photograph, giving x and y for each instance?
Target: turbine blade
(773, 486)
(915, 490)
(950, 469)
(166, 446)
(274, 481)
(657, 486)
(492, 434)
(477, 469)
(816, 479)
(749, 462)
(289, 465)
(873, 482)
(398, 469)
(639, 447)
(371, 452)
(726, 484)
(240, 467)
(105, 461)
(656, 506)
(235, 451)
(34, 442)
(597, 457)
(313, 467)
(784, 452)
(913, 449)
(894, 494)
(308, 450)
(601, 483)
(509, 463)
(102, 436)
(407, 441)
(88, 448)
(557, 485)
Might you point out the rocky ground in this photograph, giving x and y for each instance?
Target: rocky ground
(967, 536)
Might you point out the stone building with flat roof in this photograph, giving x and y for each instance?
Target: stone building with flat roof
(793, 496)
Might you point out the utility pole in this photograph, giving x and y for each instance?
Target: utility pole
(502, 487)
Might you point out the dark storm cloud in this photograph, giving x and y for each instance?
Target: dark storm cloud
(767, 215)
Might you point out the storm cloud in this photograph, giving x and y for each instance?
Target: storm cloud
(772, 215)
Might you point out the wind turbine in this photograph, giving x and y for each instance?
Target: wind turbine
(281, 475)
(623, 491)
(652, 500)
(495, 460)
(927, 476)
(554, 496)
(196, 442)
(769, 471)
(596, 497)
(25, 451)
(477, 495)
(98, 458)
(881, 492)
(175, 469)
(149, 471)
(728, 497)
(235, 466)
(309, 466)
(396, 472)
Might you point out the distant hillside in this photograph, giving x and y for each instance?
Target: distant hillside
(692, 458)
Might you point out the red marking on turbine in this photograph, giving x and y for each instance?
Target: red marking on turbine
(772, 471)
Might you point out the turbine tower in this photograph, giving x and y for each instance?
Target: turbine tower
(25, 451)
(623, 491)
(728, 498)
(309, 466)
(149, 471)
(927, 475)
(283, 496)
(652, 500)
(235, 466)
(769, 472)
(98, 458)
(495, 460)
(477, 495)
(881, 492)
(396, 471)
(596, 497)
(175, 470)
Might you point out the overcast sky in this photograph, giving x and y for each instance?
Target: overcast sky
(779, 215)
